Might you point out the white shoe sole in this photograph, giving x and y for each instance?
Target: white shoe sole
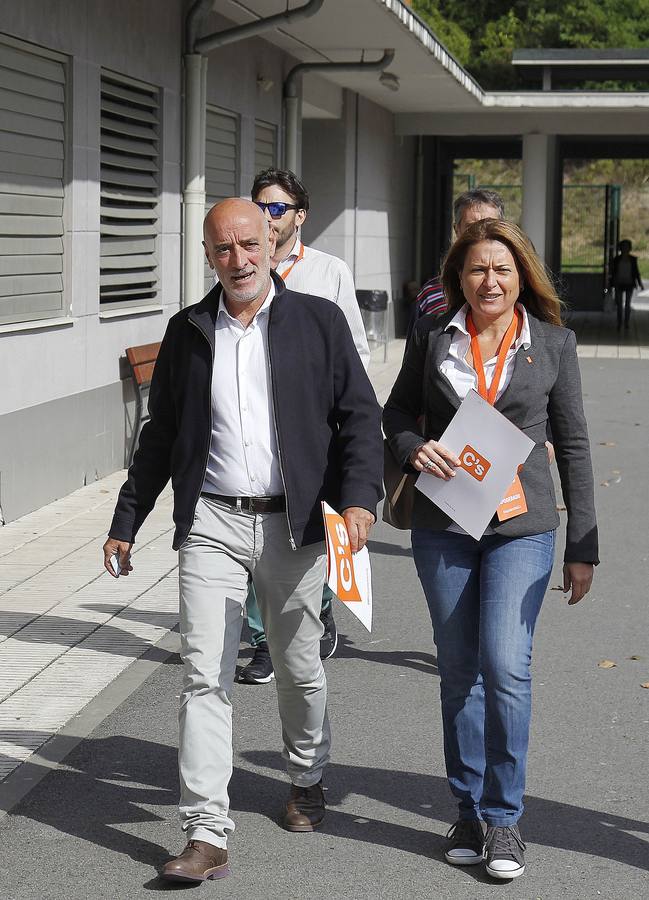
(257, 680)
(505, 876)
(463, 860)
(332, 651)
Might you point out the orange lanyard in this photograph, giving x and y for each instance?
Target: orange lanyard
(507, 341)
(284, 275)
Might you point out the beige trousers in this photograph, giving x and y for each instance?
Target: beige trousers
(224, 549)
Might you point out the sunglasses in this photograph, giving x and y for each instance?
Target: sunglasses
(277, 209)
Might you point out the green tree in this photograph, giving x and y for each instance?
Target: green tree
(445, 29)
(486, 32)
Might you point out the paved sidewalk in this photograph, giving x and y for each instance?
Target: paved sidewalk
(67, 630)
(102, 822)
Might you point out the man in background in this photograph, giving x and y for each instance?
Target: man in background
(470, 207)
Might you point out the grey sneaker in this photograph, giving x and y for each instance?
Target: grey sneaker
(465, 843)
(503, 852)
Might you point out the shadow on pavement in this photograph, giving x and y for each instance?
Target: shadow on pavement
(546, 822)
(406, 659)
(106, 782)
(594, 328)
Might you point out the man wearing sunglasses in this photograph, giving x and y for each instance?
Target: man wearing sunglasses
(284, 201)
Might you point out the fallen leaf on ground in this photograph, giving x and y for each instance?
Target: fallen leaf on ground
(606, 664)
(561, 508)
(607, 444)
(635, 657)
(559, 587)
(645, 684)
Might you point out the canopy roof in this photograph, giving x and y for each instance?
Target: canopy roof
(433, 86)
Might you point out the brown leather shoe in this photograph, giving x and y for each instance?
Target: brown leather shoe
(305, 808)
(199, 861)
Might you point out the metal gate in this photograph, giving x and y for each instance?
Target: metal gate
(590, 231)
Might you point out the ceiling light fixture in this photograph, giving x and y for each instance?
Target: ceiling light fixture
(264, 84)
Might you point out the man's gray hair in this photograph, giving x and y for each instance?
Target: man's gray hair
(477, 197)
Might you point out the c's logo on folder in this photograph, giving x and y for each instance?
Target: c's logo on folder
(473, 463)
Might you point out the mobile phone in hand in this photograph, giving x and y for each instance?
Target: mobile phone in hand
(114, 562)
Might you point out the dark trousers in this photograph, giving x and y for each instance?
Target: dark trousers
(623, 295)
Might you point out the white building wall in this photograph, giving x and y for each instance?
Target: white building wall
(232, 84)
(66, 402)
(362, 195)
(64, 408)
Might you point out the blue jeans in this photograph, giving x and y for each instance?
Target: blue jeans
(484, 598)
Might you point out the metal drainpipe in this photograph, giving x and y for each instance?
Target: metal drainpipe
(292, 100)
(194, 126)
(419, 208)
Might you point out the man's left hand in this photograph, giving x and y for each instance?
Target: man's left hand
(359, 522)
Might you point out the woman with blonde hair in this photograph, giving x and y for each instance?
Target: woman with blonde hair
(503, 337)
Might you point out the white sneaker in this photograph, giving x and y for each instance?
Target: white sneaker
(504, 852)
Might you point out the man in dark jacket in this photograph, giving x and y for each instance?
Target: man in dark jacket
(625, 276)
(260, 409)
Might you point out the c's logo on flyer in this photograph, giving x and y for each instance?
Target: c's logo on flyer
(473, 463)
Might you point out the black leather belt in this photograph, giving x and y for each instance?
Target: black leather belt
(250, 504)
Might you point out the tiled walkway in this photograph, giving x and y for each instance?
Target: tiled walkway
(66, 628)
(598, 336)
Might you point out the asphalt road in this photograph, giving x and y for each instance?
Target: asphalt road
(100, 824)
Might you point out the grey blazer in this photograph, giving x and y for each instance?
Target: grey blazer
(545, 387)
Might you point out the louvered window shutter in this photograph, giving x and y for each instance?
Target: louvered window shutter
(130, 189)
(221, 164)
(265, 146)
(32, 157)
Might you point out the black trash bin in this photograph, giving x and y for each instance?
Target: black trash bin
(374, 311)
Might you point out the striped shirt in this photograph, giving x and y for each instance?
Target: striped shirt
(430, 300)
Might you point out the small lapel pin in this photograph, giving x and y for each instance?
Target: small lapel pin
(529, 359)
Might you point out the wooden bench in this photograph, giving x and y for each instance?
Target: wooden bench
(142, 361)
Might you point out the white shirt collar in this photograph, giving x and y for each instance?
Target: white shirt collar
(264, 308)
(295, 252)
(523, 340)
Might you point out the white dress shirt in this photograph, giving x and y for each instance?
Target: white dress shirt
(463, 376)
(324, 275)
(243, 458)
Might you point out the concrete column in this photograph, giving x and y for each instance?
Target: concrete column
(541, 192)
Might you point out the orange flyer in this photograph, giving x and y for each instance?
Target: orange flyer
(348, 574)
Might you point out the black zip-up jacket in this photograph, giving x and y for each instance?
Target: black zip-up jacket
(327, 417)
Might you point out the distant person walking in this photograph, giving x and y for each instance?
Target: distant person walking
(625, 276)
(469, 207)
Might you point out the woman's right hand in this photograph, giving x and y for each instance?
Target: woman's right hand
(434, 459)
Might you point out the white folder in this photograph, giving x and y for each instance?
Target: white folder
(471, 502)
